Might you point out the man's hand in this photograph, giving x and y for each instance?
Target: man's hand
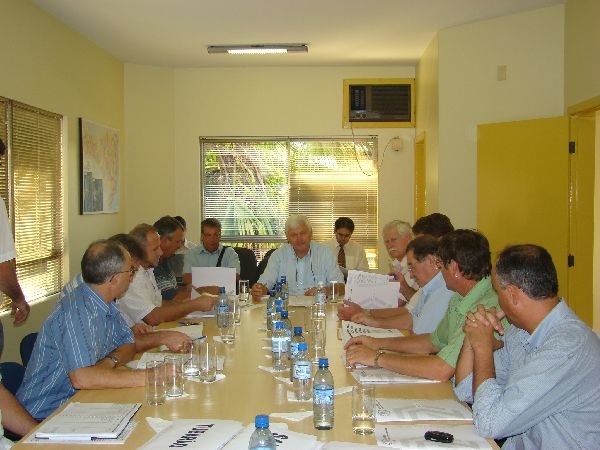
(360, 354)
(205, 302)
(480, 326)
(364, 318)
(20, 311)
(367, 341)
(406, 290)
(141, 328)
(310, 291)
(348, 309)
(258, 290)
(174, 340)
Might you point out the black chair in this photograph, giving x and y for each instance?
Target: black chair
(262, 265)
(247, 264)
(26, 347)
(12, 375)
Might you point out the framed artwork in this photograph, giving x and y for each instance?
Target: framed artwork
(99, 147)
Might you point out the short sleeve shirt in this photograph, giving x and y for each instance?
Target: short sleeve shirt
(200, 257)
(142, 296)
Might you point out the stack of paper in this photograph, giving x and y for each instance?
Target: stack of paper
(88, 421)
(351, 329)
(412, 437)
(195, 433)
(372, 375)
(408, 410)
(371, 290)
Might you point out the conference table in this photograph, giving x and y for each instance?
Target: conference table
(247, 390)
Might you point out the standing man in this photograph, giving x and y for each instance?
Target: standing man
(172, 238)
(540, 387)
(84, 339)
(210, 253)
(350, 255)
(303, 261)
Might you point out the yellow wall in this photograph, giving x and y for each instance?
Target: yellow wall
(530, 44)
(596, 281)
(241, 102)
(45, 64)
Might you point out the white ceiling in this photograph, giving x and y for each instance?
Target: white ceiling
(175, 33)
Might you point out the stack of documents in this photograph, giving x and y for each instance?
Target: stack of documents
(411, 409)
(413, 437)
(351, 329)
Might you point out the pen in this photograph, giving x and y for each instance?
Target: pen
(188, 323)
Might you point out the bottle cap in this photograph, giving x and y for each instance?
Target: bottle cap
(278, 309)
(222, 290)
(272, 293)
(298, 331)
(283, 279)
(261, 421)
(284, 314)
(278, 325)
(302, 346)
(323, 363)
(278, 302)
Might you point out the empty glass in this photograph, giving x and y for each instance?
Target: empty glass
(235, 306)
(174, 375)
(335, 291)
(244, 290)
(208, 362)
(155, 382)
(191, 365)
(227, 327)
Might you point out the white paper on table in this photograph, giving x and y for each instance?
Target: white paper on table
(201, 314)
(158, 424)
(404, 409)
(372, 375)
(360, 278)
(301, 300)
(196, 433)
(412, 436)
(147, 356)
(193, 331)
(375, 296)
(351, 329)
(285, 438)
(291, 395)
(214, 276)
(292, 416)
(338, 445)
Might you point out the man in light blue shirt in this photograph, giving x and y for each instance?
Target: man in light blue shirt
(85, 338)
(540, 388)
(210, 253)
(303, 261)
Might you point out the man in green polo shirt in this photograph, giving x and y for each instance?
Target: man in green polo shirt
(465, 264)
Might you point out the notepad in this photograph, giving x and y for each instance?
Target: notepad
(372, 375)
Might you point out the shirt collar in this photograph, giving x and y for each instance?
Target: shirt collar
(538, 336)
(94, 297)
(203, 250)
(478, 291)
(433, 284)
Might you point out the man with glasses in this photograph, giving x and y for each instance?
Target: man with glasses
(172, 238)
(85, 338)
(350, 255)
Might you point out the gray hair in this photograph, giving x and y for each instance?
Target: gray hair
(141, 231)
(102, 260)
(297, 221)
(402, 227)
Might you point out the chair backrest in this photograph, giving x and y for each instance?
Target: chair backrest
(247, 264)
(12, 375)
(26, 347)
(262, 265)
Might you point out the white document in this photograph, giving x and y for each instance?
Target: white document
(360, 278)
(285, 438)
(375, 296)
(81, 421)
(119, 440)
(195, 433)
(214, 276)
(412, 437)
(408, 410)
(351, 329)
(379, 375)
(193, 331)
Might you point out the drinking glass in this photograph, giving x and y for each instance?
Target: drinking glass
(174, 375)
(191, 366)
(155, 382)
(335, 291)
(208, 362)
(317, 337)
(235, 306)
(244, 290)
(220, 352)
(363, 409)
(227, 327)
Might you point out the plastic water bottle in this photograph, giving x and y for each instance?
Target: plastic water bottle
(279, 347)
(221, 307)
(270, 310)
(302, 373)
(320, 295)
(323, 396)
(284, 292)
(297, 338)
(262, 438)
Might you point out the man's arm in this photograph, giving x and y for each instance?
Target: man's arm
(9, 284)
(400, 319)
(416, 344)
(15, 418)
(167, 313)
(174, 340)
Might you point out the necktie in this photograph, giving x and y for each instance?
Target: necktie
(342, 257)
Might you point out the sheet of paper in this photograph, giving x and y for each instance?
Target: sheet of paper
(214, 276)
(412, 436)
(373, 375)
(88, 420)
(360, 278)
(350, 329)
(195, 433)
(119, 440)
(193, 331)
(285, 438)
(201, 314)
(374, 296)
(403, 410)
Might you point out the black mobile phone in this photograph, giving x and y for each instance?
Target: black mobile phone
(439, 436)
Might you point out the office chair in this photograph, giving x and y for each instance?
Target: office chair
(247, 264)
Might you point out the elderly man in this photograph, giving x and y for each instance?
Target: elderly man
(85, 338)
(143, 300)
(465, 260)
(540, 387)
(350, 255)
(172, 238)
(303, 261)
(396, 236)
(210, 253)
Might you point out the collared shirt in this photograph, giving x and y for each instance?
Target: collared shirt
(356, 258)
(82, 330)
(546, 392)
(142, 296)
(4, 443)
(301, 273)
(200, 257)
(165, 274)
(431, 306)
(448, 336)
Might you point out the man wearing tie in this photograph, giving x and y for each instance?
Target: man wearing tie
(350, 254)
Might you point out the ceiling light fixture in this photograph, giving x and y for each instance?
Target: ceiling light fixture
(258, 49)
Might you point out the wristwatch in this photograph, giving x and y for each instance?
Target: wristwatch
(377, 356)
(114, 359)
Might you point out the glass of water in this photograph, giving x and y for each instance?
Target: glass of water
(244, 290)
(227, 327)
(174, 375)
(191, 366)
(363, 409)
(155, 382)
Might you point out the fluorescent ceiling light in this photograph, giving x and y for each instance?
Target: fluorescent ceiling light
(258, 49)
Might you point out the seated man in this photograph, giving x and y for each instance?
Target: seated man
(172, 237)
(465, 259)
(303, 261)
(143, 300)
(210, 253)
(429, 304)
(540, 387)
(435, 224)
(396, 236)
(350, 255)
(84, 339)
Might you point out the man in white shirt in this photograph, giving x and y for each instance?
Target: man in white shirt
(350, 255)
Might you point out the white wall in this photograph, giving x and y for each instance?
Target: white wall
(241, 102)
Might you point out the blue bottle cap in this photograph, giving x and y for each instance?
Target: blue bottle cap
(222, 290)
(261, 421)
(278, 302)
(278, 325)
(284, 314)
(298, 331)
(323, 363)
(283, 279)
(278, 309)
(302, 346)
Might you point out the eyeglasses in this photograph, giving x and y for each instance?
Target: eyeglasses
(132, 270)
(343, 235)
